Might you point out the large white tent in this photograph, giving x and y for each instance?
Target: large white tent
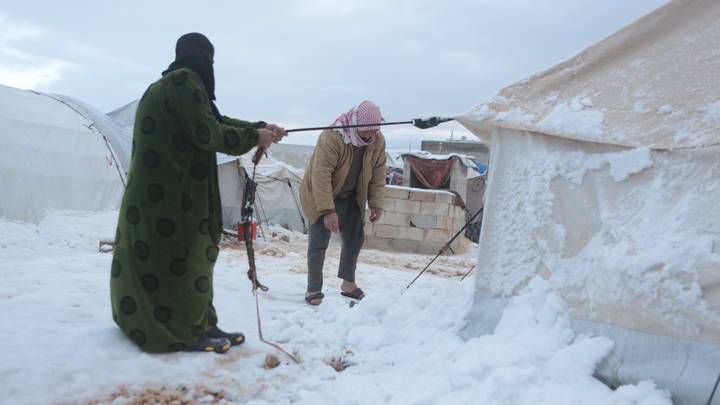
(605, 181)
(56, 153)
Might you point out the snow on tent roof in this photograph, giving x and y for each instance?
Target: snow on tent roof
(653, 83)
(605, 183)
(54, 157)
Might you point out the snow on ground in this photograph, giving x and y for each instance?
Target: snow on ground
(60, 344)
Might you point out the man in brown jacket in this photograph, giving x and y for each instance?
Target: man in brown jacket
(346, 171)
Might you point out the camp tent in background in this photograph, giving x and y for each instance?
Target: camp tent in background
(57, 153)
(277, 198)
(605, 181)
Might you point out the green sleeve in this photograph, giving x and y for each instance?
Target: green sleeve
(243, 124)
(197, 119)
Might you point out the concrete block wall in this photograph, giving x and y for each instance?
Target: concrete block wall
(416, 221)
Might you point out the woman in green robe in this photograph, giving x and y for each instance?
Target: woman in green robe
(170, 220)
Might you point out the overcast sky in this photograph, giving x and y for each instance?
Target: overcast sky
(303, 62)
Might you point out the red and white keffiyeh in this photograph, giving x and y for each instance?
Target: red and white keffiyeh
(367, 113)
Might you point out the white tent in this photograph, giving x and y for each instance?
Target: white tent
(277, 198)
(605, 181)
(56, 153)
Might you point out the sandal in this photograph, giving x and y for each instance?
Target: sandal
(235, 338)
(314, 296)
(356, 294)
(206, 343)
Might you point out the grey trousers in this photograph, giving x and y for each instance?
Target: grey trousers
(352, 235)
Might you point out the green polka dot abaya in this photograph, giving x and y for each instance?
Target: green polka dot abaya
(170, 219)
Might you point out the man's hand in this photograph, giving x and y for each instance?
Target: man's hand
(278, 132)
(331, 222)
(375, 214)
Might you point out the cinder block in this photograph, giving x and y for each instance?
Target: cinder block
(397, 192)
(369, 228)
(372, 242)
(387, 231)
(410, 233)
(420, 195)
(437, 235)
(406, 206)
(444, 198)
(425, 221)
(389, 204)
(433, 208)
(405, 245)
(444, 222)
(395, 218)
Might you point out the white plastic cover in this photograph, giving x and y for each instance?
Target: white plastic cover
(51, 157)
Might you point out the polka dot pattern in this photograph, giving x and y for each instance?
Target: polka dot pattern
(133, 215)
(204, 227)
(155, 192)
(212, 253)
(147, 125)
(142, 250)
(117, 236)
(116, 269)
(127, 305)
(162, 313)
(150, 282)
(202, 284)
(165, 227)
(231, 139)
(138, 336)
(178, 267)
(151, 159)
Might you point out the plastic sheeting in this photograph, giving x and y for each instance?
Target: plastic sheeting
(52, 157)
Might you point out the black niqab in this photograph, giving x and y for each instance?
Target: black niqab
(195, 51)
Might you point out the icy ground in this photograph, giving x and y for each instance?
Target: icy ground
(60, 345)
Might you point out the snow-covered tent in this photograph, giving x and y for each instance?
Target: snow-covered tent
(605, 181)
(56, 153)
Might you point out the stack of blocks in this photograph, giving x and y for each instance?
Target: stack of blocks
(416, 221)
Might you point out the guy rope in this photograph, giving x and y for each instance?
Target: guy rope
(247, 213)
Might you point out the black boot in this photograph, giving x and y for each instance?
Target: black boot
(234, 338)
(206, 343)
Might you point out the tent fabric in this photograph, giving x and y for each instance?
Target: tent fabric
(652, 84)
(53, 157)
(605, 182)
(278, 185)
(431, 173)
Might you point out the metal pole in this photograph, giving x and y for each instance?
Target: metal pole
(446, 246)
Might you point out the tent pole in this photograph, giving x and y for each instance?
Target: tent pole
(446, 246)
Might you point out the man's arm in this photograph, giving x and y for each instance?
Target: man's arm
(376, 188)
(327, 153)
